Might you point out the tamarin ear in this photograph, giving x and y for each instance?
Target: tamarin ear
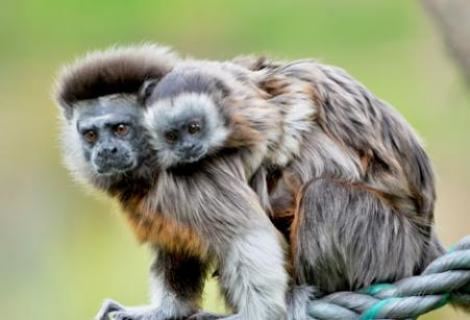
(146, 90)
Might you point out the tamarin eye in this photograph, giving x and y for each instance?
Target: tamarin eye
(121, 129)
(90, 136)
(194, 127)
(171, 136)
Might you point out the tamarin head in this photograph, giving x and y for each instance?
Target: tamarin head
(104, 137)
(186, 116)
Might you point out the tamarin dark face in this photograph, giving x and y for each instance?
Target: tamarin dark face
(186, 129)
(111, 135)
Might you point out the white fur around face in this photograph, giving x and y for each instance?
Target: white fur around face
(163, 112)
(74, 159)
(72, 145)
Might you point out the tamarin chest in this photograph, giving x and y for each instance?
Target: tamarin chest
(162, 231)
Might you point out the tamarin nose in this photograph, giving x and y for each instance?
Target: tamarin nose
(190, 147)
(108, 151)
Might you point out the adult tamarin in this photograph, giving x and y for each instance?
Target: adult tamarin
(192, 218)
(342, 167)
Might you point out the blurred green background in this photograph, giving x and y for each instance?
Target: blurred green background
(62, 249)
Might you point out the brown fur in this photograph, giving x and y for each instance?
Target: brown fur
(243, 134)
(164, 232)
(119, 70)
(153, 227)
(296, 220)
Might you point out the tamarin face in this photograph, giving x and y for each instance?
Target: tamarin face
(110, 135)
(186, 129)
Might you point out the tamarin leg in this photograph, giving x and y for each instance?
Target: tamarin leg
(253, 277)
(177, 285)
(346, 236)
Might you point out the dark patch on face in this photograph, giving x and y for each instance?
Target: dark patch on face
(186, 136)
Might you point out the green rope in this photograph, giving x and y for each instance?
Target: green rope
(376, 309)
(445, 280)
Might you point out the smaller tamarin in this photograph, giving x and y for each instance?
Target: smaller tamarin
(211, 131)
(341, 169)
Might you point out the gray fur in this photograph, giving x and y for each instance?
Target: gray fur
(370, 216)
(359, 239)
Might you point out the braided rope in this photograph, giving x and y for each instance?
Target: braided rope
(446, 279)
